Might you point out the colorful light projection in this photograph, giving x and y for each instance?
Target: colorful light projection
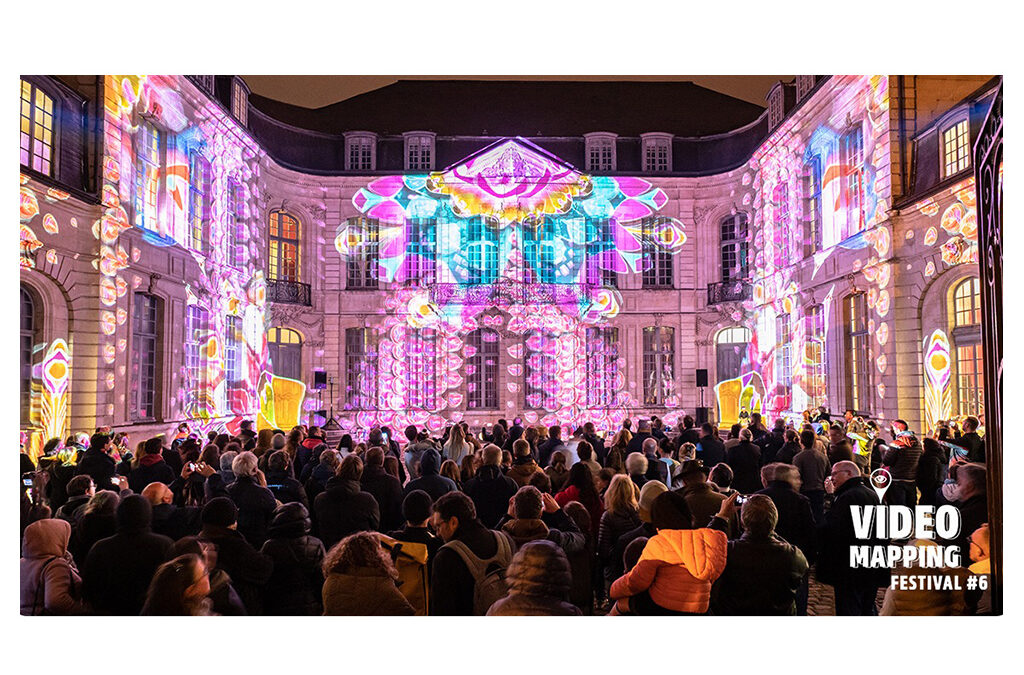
(280, 401)
(50, 410)
(511, 228)
(938, 394)
(739, 397)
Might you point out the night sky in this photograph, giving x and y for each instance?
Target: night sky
(315, 91)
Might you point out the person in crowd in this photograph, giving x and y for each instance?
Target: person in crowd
(98, 464)
(264, 442)
(666, 450)
(98, 521)
(557, 471)
(385, 488)
(585, 451)
(430, 480)
(795, 517)
(470, 463)
(595, 441)
(170, 520)
(648, 493)
(506, 462)
(540, 481)
(226, 474)
(970, 497)
(636, 468)
(180, 588)
(533, 515)
(450, 470)
(677, 567)
(248, 569)
(313, 444)
(839, 448)
(771, 442)
(734, 436)
(581, 563)
(973, 442)
(744, 458)
(150, 467)
(721, 478)
(417, 443)
(813, 467)
(173, 454)
(343, 508)
(855, 587)
(763, 572)
(322, 472)
(489, 489)
(539, 581)
(656, 469)
(901, 460)
(620, 516)
(710, 448)
(790, 447)
(702, 500)
(643, 432)
(931, 598)
(553, 444)
(687, 452)
(931, 471)
(523, 466)
(118, 569)
(457, 446)
(296, 583)
(416, 509)
(689, 432)
(255, 502)
(978, 601)
(579, 487)
(50, 583)
(360, 579)
(469, 551)
(80, 490)
(615, 459)
(280, 481)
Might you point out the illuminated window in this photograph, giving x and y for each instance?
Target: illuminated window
(234, 356)
(814, 354)
(967, 303)
(783, 352)
(284, 246)
(199, 198)
(735, 247)
(731, 350)
(285, 346)
(970, 370)
(853, 183)
(147, 176)
(541, 371)
(239, 103)
(197, 326)
(361, 265)
(237, 232)
(601, 253)
(37, 129)
(482, 370)
(360, 368)
(657, 149)
(539, 249)
(812, 203)
(658, 270)
(145, 354)
(29, 337)
(600, 152)
(967, 340)
(421, 367)
(956, 148)
(421, 250)
(360, 151)
(776, 106)
(858, 360)
(602, 366)
(419, 152)
(481, 246)
(659, 364)
(783, 230)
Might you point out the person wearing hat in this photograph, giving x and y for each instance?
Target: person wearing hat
(702, 500)
(296, 584)
(249, 569)
(648, 493)
(416, 509)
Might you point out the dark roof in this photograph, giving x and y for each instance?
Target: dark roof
(523, 108)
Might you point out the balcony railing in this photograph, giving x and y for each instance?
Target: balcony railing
(507, 292)
(288, 292)
(729, 291)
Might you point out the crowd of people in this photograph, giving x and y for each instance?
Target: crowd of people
(512, 520)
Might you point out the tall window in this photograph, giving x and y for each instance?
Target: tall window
(360, 368)
(602, 366)
(37, 127)
(197, 326)
(145, 352)
(237, 231)
(783, 231)
(783, 352)
(284, 246)
(967, 339)
(731, 350)
(361, 266)
(540, 250)
(360, 152)
(812, 203)
(482, 372)
(853, 161)
(419, 152)
(858, 363)
(956, 148)
(481, 246)
(421, 250)
(239, 103)
(735, 248)
(659, 364)
(198, 200)
(657, 153)
(600, 269)
(285, 346)
(658, 272)
(421, 367)
(234, 354)
(541, 370)
(814, 354)
(600, 152)
(147, 176)
(29, 335)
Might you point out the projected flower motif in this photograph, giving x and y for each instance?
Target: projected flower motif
(29, 245)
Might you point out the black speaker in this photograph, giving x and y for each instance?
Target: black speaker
(702, 415)
(702, 377)
(319, 379)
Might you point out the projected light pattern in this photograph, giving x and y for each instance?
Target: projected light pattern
(938, 398)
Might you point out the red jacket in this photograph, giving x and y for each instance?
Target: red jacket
(572, 494)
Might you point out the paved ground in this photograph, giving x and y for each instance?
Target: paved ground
(821, 601)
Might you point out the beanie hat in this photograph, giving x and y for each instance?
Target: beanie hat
(220, 511)
(417, 506)
(648, 492)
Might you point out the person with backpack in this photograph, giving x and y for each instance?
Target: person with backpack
(468, 571)
(539, 580)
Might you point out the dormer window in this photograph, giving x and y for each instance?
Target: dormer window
(205, 82)
(419, 151)
(600, 151)
(360, 151)
(804, 84)
(657, 149)
(776, 106)
(240, 102)
(956, 147)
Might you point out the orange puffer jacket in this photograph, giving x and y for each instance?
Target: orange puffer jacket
(678, 568)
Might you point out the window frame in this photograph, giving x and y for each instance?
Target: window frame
(816, 386)
(197, 328)
(856, 341)
(600, 253)
(783, 351)
(278, 246)
(140, 340)
(36, 90)
(965, 320)
(234, 352)
(813, 224)
(484, 394)
(360, 139)
(414, 139)
(661, 273)
(600, 141)
(361, 389)
(237, 223)
(656, 141)
(33, 332)
(735, 246)
(782, 225)
(240, 102)
(361, 266)
(944, 146)
(853, 186)
(546, 372)
(482, 244)
(200, 199)
(138, 176)
(275, 348)
(655, 359)
(421, 389)
(602, 355)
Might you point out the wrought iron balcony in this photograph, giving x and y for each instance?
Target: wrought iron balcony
(729, 291)
(508, 292)
(288, 292)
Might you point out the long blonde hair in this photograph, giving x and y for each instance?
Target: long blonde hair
(621, 495)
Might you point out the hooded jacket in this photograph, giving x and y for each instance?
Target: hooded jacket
(99, 466)
(677, 567)
(522, 469)
(430, 481)
(490, 491)
(151, 469)
(297, 581)
(256, 506)
(342, 509)
(387, 490)
(538, 582)
(49, 580)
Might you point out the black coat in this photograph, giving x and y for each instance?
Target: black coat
(490, 491)
(973, 514)
(931, 472)
(657, 470)
(430, 481)
(451, 584)
(613, 526)
(296, 584)
(796, 520)
(90, 528)
(141, 476)
(975, 446)
(99, 466)
(342, 509)
(744, 459)
(118, 571)
(597, 443)
(711, 450)
(691, 435)
(387, 491)
(256, 506)
(176, 522)
(286, 489)
(548, 448)
(836, 536)
(770, 445)
(787, 452)
(761, 577)
(249, 569)
(636, 444)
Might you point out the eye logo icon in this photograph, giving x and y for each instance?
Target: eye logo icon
(881, 479)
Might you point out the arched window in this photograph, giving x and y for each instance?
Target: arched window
(30, 326)
(482, 370)
(967, 341)
(734, 247)
(37, 129)
(284, 246)
(285, 347)
(731, 349)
